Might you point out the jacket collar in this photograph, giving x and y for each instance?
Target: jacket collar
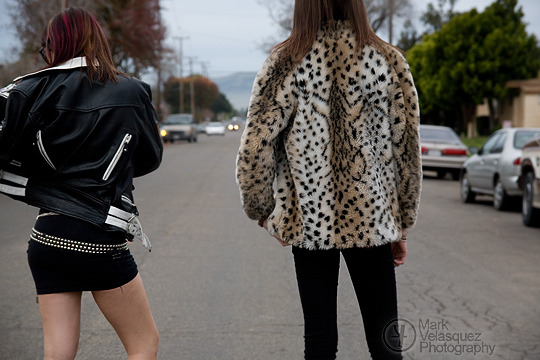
(78, 62)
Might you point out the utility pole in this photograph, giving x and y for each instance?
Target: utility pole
(180, 68)
(159, 68)
(391, 11)
(158, 95)
(204, 68)
(63, 4)
(192, 86)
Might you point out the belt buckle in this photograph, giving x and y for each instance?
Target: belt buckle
(135, 229)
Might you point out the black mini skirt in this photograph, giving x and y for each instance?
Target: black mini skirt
(67, 254)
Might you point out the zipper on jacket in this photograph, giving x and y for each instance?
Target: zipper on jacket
(116, 157)
(42, 150)
(127, 200)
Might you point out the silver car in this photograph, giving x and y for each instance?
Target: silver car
(179, 127)
(442, 150)
(495, 168)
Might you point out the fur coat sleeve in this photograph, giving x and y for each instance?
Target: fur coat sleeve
(406, 141)
(271, 106)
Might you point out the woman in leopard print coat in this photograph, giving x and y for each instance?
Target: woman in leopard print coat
(329, 161)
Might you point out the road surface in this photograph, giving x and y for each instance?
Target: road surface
(221, 288)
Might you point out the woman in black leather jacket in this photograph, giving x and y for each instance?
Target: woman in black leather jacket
(73, 137)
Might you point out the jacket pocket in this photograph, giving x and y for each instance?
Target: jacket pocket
(117, 156)
(42, 150)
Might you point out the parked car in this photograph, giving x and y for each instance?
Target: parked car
(201, 128)
(179, 127)
(215, 128)
(495, 169)
(442, 150)
(530, 182)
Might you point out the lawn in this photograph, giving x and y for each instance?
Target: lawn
(476, 141)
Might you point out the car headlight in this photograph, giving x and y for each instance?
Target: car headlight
(236, 127)
(163, 133)
(230, 127)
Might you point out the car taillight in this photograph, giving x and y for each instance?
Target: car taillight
(454, 152)
(517, 162)
(424, 150)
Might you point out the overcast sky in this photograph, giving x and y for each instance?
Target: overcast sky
(226, 35)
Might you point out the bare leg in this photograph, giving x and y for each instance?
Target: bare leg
(127, 310)
(61, 318)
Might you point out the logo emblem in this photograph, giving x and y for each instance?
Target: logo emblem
(399, 335)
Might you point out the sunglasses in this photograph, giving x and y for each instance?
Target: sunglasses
(42, 53)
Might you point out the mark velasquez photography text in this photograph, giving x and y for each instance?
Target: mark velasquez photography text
(428, 336)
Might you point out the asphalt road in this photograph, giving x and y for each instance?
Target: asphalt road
(220, 288)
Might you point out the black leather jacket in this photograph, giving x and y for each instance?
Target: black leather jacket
(78, 144)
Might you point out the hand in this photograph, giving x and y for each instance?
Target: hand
(399, 250)
(264, 224)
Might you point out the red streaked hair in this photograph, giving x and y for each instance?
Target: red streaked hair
(75, 32)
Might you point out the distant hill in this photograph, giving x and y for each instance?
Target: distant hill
(237, 88)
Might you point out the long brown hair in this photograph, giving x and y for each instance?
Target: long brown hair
(311, 15)
(75, 32)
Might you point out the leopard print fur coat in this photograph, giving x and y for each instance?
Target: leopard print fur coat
(330, 154)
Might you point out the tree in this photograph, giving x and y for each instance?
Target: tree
(514, 53)
(135, 33)
(10, 70)
(434, 18)
(408, 36)
(133, 28)
(471, 59)
(222, 105)
(392, 9)
(206, 96)
(29, 18)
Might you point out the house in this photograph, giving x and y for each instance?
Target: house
(522, 104)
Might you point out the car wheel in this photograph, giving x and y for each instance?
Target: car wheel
(531, 216)
(500, 198)
(467, 195)
(441, 174)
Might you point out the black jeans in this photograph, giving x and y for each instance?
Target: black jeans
(374, 281)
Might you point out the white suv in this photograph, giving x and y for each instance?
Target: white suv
(530, 182)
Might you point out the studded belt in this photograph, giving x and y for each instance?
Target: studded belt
(76, 245)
